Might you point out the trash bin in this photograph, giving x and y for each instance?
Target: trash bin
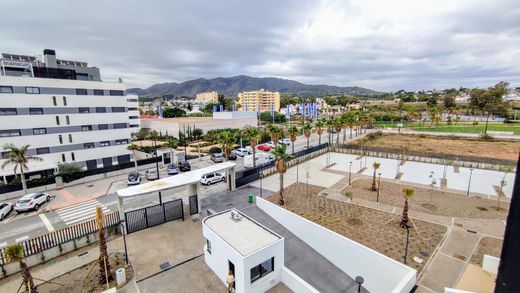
(120, 277)
(250, 198)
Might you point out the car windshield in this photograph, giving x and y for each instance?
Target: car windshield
(26, 200)
(171, 167)
(217, 155)
(3, 205)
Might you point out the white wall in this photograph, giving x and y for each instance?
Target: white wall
(270, 280)
(381, 273)
(296, 283)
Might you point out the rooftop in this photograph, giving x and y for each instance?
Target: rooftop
(245, 236)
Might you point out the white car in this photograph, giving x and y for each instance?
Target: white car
(31, 201)
(5, 209)
(270, 144)
(241, 152)
(211, 178)
(285, 141)
(151, 174)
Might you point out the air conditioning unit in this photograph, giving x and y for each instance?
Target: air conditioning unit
(235, 215)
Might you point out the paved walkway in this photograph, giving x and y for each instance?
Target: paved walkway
(465, 134)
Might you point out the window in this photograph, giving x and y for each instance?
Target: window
(10, 132)
(122, 141)
(134, 125)
(105, 143)
(84, 110)
(32, 90)
(102, 126)
(82, 92)
(60, 138)
(119, 125)
(41, 151)
(8, 111)
(64, 101)
(118, 109)
(63, 158)
(67, 119)
(5, 155)
(101, 109)
(88, 145)
(54, 102)
(36, 111)
(132, 117)
(116, 93)
(208, 246)
(6, 89)
(262, 269)
(38, 131)
(70, 138)
(57, 120)
(131, 100)
(132, 109)
(99, 93)
(73, 156)
(86, 127)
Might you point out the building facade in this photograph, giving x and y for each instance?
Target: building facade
(64, 112)
(205, 98)
(251, 101)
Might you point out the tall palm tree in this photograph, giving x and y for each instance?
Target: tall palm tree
(252, 133)
(407, 193)
(275, 133)
(330, 128)
(227, 141)
(281, 166)
(293, 132)
(19, 158)
(15, 253)
(319, 129)
(307, 130)
(350, 121)
(337, 125)
(132, 147)
(103, 261)
(375, 166)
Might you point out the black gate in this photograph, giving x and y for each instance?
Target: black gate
(194, 205)
(153, 215)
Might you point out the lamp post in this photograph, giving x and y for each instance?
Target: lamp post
(407, 226)
(124, 238)
(469, 182)
(378, 186)
(350, 174)
(359, 280)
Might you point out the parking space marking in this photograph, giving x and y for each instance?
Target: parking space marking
(47, 223)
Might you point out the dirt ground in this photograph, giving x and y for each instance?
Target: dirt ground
(430, 201)
(86, 278)
(375, 229)
(498, 149)
(488, 245)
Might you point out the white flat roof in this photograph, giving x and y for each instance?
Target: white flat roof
(175, 181)
(245, 236)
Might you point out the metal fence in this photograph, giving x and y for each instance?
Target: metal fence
(62, 236)
(154, 215)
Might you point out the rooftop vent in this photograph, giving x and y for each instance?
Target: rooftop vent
(235, 216)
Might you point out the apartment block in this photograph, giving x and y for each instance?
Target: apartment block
(205, 98)
(251, 101)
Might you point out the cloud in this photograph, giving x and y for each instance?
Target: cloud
(383, 45)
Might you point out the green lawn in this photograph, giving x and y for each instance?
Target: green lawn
(460, 127)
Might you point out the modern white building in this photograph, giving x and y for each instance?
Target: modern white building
(64, 112)
(251, 252)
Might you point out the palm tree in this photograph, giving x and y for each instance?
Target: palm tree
(132, 147)
(19, 158)
(227, 141)
(103, 261)
(281, 166)
(319, 129)
(252, 133)
(506, 170)
(293, 133)
(408, 193)
(337, 125)
(172, 145)
(275, 133)
(375, 166)
(330, 128)
(15, 253)
(307, 129)
(350, 121)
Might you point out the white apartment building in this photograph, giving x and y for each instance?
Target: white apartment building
(251, 101)
(64, 112)
(207, 97)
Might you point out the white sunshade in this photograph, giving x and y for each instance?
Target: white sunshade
(173, 181)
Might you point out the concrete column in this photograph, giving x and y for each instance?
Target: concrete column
(230, 177)
(193, 189)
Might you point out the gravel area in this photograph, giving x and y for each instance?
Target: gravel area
(487, 245)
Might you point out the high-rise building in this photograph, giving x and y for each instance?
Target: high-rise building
(263, 99)
(205, 98)
(65, 112)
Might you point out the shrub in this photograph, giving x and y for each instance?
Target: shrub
(486, 136)
(215, 150)
(374, 135)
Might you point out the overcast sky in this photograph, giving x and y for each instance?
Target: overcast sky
(382, 45)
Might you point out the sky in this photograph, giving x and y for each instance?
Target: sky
(378, 44)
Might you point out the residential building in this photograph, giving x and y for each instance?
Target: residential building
(65, 112)
(251, 101)
(207, 97)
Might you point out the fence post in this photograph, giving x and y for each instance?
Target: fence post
(146, 217)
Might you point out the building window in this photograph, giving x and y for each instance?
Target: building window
(63, 158)
(8, 111)
(99, 93)
(116, 93)
(122, 141)
(73, 156)
(132, 117)
(102, 126)
(134, 125)
(86, 127)
(6, 89)
(84, 110)
(67, 119)
(36, 111)
(70, 138)
(208, 246)
(131, 100)
(10, 132)
(64, 101)
(101, 109)
(5, 155)
(41, 151)
(60, 138)
(262, 269)
(57, 120)
(32, 90)
(105, 143)
(38, 131)
(119, 125)
(88, 145)
(118, 109)
(81, 92)
(54, 102)
(132, 109)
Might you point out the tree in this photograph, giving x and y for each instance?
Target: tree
(338, 124)
(281, 166)
(173, 112)
(221, 100)
(506, 170)
(15, 253)
(197, 133)
(307, 129)
(227, 141)
(330, 128)
(275, 133)
(319, 130)
(490, 101)
(142, 134)
(432, 101)
(104, 264)
(172, 144)
(252, 134)
(407, 193)
(132, 147)
(293, 132)
(375, 166)
(19, 158)
(449, 102)
(350, 121)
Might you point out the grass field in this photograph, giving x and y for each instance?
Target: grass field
(460, 127)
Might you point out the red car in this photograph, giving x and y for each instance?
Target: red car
(264, 148)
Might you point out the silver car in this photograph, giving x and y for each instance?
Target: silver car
(5, 209)
(217, 158)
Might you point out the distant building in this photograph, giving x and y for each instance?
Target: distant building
(263, 99)
(205, 98)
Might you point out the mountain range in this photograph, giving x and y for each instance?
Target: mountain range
(230, 86)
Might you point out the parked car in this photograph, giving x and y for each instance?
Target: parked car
(217, 158)
(184, 166)
(241, 152)
(5, 209)
(232, 156)
(264, 147)
(270, 144)
(249, 149)
(151, 174)
(211, 178)
(134, 178)
(285, 141)
(172, 169)
(31, 201)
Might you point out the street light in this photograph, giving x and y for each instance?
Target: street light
(378, 186)
(350, 174)
(124, 238)
(469, 182)
(359, 281)
(407, 226)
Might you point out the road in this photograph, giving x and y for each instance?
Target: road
(77, 203)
